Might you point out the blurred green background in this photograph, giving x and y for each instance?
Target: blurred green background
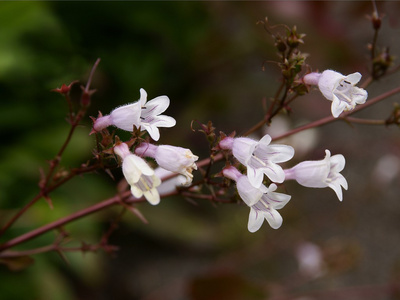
(207, 57)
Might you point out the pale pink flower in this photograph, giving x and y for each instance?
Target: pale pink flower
(339, 89)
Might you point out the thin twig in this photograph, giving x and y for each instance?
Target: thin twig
(365, 121)
(75, 216)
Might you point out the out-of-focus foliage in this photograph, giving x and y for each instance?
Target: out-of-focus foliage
(207, 57)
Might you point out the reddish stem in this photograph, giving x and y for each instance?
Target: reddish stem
(41, 230)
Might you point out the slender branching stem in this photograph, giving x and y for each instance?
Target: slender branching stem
(75, 216)
(365, 121)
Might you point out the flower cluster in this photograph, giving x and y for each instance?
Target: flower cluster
(143, 179)
(339, 89)
(261, 158)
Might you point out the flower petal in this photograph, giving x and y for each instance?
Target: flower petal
(152, 196)
(274, 172)
(337, 188)
(277, 200)
(152, 130)
(338, 161)
(255, 176)
(276, 153)
(274, 219)
(342, 181)
(136, 192)
(143, 97)
(164, 121)
(256, 219)
(337, 107)
(265, 140)
(359, 95)
(142, 165)
(156, 106)
(131, 170)
(353, 78)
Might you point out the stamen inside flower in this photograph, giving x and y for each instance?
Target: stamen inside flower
(261, 205)
(344, 90)
(265, 204)
(144, 183)
(259, 160)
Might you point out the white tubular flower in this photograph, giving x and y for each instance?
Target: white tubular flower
(139, 175)
(321, 173)
(259, 157)
(175, 159)
(339, 89)
(263, 201)
(140, 114)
